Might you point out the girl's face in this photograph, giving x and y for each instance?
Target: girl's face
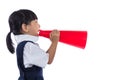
(33, 28)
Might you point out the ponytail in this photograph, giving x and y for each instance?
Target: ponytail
(10, 43)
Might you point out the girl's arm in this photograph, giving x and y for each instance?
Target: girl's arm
(54, 37)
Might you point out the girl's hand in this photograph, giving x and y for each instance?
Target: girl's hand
(54, 36)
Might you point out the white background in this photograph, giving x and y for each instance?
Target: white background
(100, 60)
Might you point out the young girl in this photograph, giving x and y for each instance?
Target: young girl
(31, 59)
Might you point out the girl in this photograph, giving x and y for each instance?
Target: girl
(31, 59)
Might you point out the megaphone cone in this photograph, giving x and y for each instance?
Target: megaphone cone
(74, 38)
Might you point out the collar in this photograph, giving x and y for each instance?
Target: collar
(26, 37)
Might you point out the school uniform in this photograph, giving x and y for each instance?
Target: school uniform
(31, 59)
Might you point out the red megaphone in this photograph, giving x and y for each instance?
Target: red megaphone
(74, 38)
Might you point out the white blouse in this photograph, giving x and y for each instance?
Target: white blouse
(32, 54)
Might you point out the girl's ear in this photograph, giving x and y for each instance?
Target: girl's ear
(24, 28)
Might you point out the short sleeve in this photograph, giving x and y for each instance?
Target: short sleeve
(34, 55)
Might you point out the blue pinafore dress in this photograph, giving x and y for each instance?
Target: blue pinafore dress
(32, 73)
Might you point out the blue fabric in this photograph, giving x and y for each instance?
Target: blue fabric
(32, 73)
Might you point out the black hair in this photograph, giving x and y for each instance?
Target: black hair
(16, 19)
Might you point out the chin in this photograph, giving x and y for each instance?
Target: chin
(37, 35)
(34, 34)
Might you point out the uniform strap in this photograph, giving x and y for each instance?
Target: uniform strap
(19, 51)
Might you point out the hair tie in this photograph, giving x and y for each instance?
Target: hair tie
(10, 32)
